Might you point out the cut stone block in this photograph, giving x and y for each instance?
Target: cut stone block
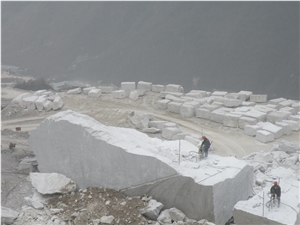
(40, 102)
(232, 96)
(210, 107)
(19, 99)
(276, 101)
(218, 115)
(295, 118)
(163, 94)
(162, 104)
(286, 127)
(274, 117)
(48, 105)
(243, 121)
(211, 188)
(231, 120)
(40, 92)
(187, 111)
(169, 132)
(95, 93)
(195, 104)
(174, 107)
(106, 89)
(119, 94)
(30, 102)
(276, 130)
(242, 109)
(174, 98)
(248, 103)
(57, 103)
(272, 106)
(259, 116)
(219, 99)
(147, 86)
(264, 136)
(258, 98)
(87, 90)
(296, 106)
(294, 124)
(196, 94)
(128, 86)
(264, 109)
(219, 104)
(74, 91)
(245, 95)
(232, 102)
(289, 147)
(219, 93)
(251, 129)
(286, 103)
(158, 88)
(202, 113)
(141, 92)
(174, 88)
(289, 110)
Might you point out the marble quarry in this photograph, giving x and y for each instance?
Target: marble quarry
(92, 154)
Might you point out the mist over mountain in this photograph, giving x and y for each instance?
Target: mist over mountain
(228, 46)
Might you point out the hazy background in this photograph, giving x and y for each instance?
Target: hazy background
(228, 46)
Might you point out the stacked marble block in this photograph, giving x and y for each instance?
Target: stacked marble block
(40, 100)
(266, 120)
(133, 91)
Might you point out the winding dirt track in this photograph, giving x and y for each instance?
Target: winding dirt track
(226, 141)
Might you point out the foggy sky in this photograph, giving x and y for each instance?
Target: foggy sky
(228, 46)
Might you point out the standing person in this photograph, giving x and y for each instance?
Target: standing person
(276, 190)
(204, 147)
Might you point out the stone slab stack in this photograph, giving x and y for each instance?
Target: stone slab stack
(95, 93)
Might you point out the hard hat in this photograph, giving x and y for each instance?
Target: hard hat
(275, 182)
(203, 137)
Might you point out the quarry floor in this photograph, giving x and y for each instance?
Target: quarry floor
(109, 111)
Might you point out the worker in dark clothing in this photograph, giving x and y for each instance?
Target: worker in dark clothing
(204, 147)
(276, 192)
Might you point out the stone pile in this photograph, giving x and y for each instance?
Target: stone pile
(59, 203)
(40, 100)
